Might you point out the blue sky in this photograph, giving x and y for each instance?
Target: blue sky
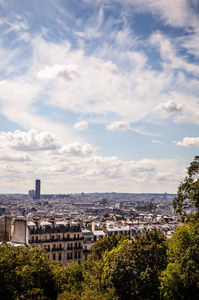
(98, 96)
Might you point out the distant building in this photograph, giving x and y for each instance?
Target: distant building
(31, 193)
(5, 229)
(37, 189)
(63, 241)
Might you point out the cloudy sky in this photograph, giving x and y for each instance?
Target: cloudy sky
(98, 95)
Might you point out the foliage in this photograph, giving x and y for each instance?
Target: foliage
(180, 280)
(26, 274)
(135, 271)
(188, 191)
(106, 244)
(91, 287)
(30, 274)
(109, 259)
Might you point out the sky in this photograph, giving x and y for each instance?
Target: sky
(98, 95)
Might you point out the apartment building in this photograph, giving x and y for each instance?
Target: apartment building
(62, 240)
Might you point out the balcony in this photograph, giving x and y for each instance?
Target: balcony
(78, 247)
(57, 249)
(55, 240)
(69, 248)
(34, 242)
(86, 251)
(74, 239)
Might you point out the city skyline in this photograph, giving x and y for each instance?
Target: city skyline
(98, 96)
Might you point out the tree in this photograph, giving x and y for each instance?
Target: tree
(109, 260)
(135, 271)
(180, 280)
(188, 191)
(91, 287)
(28, 274)
(106, 244)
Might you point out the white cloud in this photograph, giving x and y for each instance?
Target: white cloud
(191, 43)
(76, 149)
(164, 176)
(14, 23)
(81, 125)
(181, 119)
(188, 142)
(8, 155)
(92, 30)
(100, 71)
(66, 72)
(76, 167)
(168, 49)
(178, 13)
(144, 132)
(170, 106)
(30, 141)
(157, 142)
(120, 125)
(144, 165)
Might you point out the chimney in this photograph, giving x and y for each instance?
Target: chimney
(20, 231)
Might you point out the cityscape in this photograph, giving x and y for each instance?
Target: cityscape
(67, 225)
(99, 182)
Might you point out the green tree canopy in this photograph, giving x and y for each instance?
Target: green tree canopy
(106, 244)
(28, 273)
(188, 191)
(180, 280)
(135, 271)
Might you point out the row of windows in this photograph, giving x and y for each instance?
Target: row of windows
(48, 229)
(76, 255)
(70, 246)
(54, 237)
(69, 256)
(59, 256)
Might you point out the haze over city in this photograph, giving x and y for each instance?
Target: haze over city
(98, 96)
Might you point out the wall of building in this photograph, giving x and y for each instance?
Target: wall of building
(5, 229)
(20, 231)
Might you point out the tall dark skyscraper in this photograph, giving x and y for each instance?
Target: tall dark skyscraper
(37, 188)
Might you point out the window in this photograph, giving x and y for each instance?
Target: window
(75, 254)
(58, 237)
(32, 239)
(74, 236)
(70, 256)
(79, 254)
(36, 238)
(54, 256)
(60, 246)
(52, 237)
(59, 256)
